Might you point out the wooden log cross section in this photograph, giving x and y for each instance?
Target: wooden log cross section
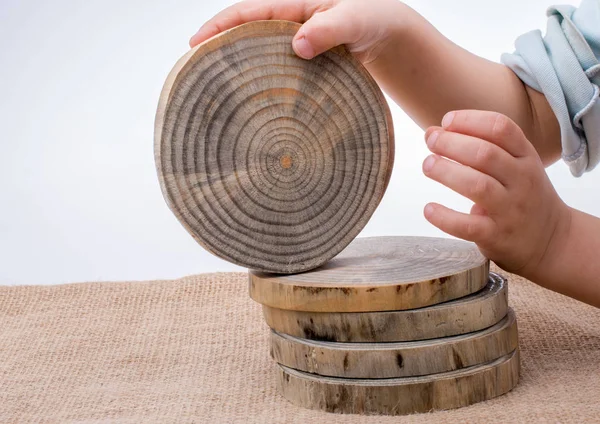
(379, 274)
(391, 360)
(398, 396)
(270, 161)
(471, 313)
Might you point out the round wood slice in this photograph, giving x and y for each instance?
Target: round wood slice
(270, 161)
(399, 396)
(379, 274)
(471, 313)
(390, 360)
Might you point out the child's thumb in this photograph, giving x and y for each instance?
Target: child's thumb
(324, 31)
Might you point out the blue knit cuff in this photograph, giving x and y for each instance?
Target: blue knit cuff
(564, 66)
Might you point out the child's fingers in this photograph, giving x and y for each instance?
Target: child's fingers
(231, 17)
(323, 31)
(469, 182)
(491, 126)
(256, 10)
(472, 151)
(474, 227)
(478, 210)
(323, 28)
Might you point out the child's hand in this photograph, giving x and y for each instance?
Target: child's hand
(485, 157)
(364, 26)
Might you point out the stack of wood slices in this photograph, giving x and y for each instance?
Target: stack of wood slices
(276, 163)
(393, 325)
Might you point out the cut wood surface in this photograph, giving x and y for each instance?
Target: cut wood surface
(270, 161)
(398, 396)
(471, 313)
(379, 274)
(389, 360)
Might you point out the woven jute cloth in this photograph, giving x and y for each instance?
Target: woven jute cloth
(195, 350)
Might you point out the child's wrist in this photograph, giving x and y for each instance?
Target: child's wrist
(401, 23)
(548, 269)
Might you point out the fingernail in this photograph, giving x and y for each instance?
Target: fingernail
(448, 118)
(428, 132)
(303, 48)
(432, 139)
(428, 210)
(428, 164)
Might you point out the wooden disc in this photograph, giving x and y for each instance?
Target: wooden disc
(270, 161)
(390, 360)
(399, 396)
(379, 274)
(465, 315)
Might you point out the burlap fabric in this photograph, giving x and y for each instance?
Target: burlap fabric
(195, 350)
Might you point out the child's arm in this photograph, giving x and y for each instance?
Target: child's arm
(424, 72)
(518, 220)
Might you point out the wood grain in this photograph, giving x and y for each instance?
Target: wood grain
(379, 274)
(270, 161)
(398, 396)
(465, 315)
(391, 360)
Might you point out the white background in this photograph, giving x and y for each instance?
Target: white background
(79, 84)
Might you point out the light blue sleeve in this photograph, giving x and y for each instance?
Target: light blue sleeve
(564, 66)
